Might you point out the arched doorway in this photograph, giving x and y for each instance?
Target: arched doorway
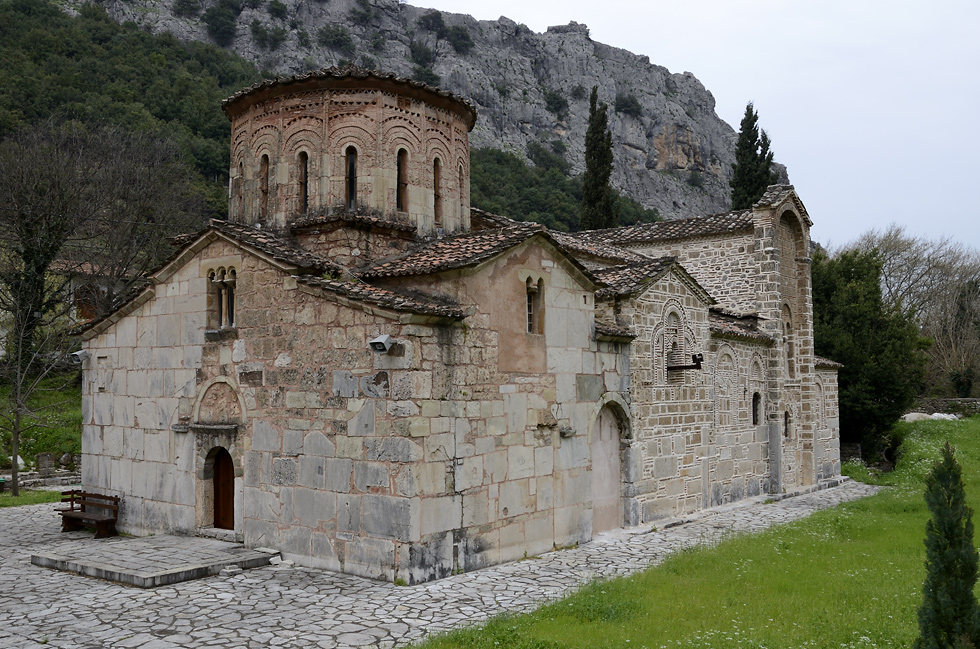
(607, 506)
(224, 490)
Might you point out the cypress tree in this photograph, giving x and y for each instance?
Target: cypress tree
(598, 202)
(948, 617)
(753, 162)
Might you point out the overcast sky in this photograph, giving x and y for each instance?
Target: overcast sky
(871, 105)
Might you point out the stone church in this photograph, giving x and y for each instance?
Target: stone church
(360, 370)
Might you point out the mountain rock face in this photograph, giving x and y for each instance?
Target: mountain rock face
(672, 152)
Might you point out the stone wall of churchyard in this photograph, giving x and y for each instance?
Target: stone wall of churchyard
(410, 464)
(693, 433)
(725, 265)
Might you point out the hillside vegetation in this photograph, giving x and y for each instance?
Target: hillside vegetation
(91, 68)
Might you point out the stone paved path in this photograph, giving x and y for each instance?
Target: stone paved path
(285, 606)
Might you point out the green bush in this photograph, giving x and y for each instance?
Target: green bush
(555, 103)
(336, 37)
(579, 92)
(278, 9)
(425, 75)
(303, 39)
(377, 41)
(220, 20)
(432, 21)
(421, 54)
(695, 179)
(187, 8)
(268, 38)
(363, 13)
(459, 37)
(628, 105)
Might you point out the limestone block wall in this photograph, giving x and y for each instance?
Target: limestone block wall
(694, 439)
(827, 423)
(141, 379)
(306, 136)
(353, 247)
(727, 266)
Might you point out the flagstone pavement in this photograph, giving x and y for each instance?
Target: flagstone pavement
(287, 606)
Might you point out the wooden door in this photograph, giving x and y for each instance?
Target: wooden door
(224, 491)
(607, 509)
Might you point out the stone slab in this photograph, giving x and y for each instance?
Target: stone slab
(149, 562)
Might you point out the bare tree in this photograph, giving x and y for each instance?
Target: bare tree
(80, 206)
(937, 282)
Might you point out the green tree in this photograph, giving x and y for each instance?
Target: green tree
(752, 170)
(948, 617)
(598, 201)
(879, 345)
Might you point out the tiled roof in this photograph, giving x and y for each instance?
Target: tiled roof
(607, 330)
(481, 220)
(734, 327)
(628, 279)
(595, 248)
(820, 361)
(459, 251)
(361, 292)
(354, 219)
(276, 247)
(338, 75)
(698, 226)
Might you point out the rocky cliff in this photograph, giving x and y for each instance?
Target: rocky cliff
(672, 151)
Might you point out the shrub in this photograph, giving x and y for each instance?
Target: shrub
(377, 41)
(556, 103)
(425, 75)
(220, 20)
(578, 92)
(432, 21)
(187, 8)
(694, 179)
(368, 62)
(336, 37)
(628, 105)
(303, 39)
(459, 37)
(421, 54)
(363, 13)
(546, 159)
(268, 38)
(278, 10)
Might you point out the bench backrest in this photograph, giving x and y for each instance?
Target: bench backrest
(84, 499)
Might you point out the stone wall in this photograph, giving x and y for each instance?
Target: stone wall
(954, 406)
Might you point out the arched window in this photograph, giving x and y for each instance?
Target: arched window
(350, 199)
(789, 342)
(462, 193)
(756, 409)
(401, 191)
(264, 186)
(437, 191)
(239, 202)
(221, 312)
(787, 422)
(535, 308)
(304, 170)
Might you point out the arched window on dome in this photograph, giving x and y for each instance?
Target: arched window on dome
(350, 178)
(304, 192)
(401, 191)
(264, 186)
(437, 191)
(462, 194)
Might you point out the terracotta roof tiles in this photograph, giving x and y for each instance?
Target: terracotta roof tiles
(630, 278)
(368, 220)
(698, 226)
(460, 251)
(745, 328)
(275, 246)
(596, 248)
(386, 298)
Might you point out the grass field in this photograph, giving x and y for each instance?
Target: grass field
(58, 405)
(29, 497)
(845, 578)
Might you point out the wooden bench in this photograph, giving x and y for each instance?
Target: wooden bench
(88, 509)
